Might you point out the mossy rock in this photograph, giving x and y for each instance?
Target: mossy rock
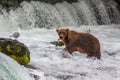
(15, 49)
(57, 43)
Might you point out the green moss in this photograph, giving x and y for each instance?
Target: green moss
(23, 60)
(14, 57)
(26, 59)
(60, 44)
(57, 43)
(8, 48)
(16, 50)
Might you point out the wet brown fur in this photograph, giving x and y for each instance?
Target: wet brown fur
(82, 42)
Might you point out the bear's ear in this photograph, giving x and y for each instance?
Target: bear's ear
(57, 30)
(67, 30)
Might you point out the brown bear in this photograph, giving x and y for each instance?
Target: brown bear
(82, 42)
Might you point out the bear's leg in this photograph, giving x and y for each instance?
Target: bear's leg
(89, 55)
(70, 49)
(94, 54)
(97, 55)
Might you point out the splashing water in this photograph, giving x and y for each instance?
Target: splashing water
(11, 70)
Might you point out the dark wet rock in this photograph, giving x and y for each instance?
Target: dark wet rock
(64, 77)
(57, 43)
(36, 77)
(9, 3)
(15, 49)
(30, 66)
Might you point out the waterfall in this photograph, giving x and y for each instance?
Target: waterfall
(36, 14)
(11, 70)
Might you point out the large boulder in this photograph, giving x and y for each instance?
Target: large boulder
(15, 49)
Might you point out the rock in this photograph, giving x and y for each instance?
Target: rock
(36, 77)
(15, 49)
(57, 43)
(16, 3)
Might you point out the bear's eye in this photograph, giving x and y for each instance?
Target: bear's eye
(60, 33)
(63, 33)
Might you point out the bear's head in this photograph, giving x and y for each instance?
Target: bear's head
(62, 33)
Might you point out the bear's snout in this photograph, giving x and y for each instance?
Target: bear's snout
(61, 37)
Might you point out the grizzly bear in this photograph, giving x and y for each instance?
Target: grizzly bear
(82, 42)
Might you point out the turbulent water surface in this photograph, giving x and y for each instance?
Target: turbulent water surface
(59, 65)
(37, 23)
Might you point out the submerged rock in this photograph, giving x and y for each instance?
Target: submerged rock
(57, 43)
(15, 49)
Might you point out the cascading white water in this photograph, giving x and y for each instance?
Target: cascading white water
(11, 70)
(44, 15)
(45, 57)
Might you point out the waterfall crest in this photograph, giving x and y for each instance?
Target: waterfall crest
(36, 14)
